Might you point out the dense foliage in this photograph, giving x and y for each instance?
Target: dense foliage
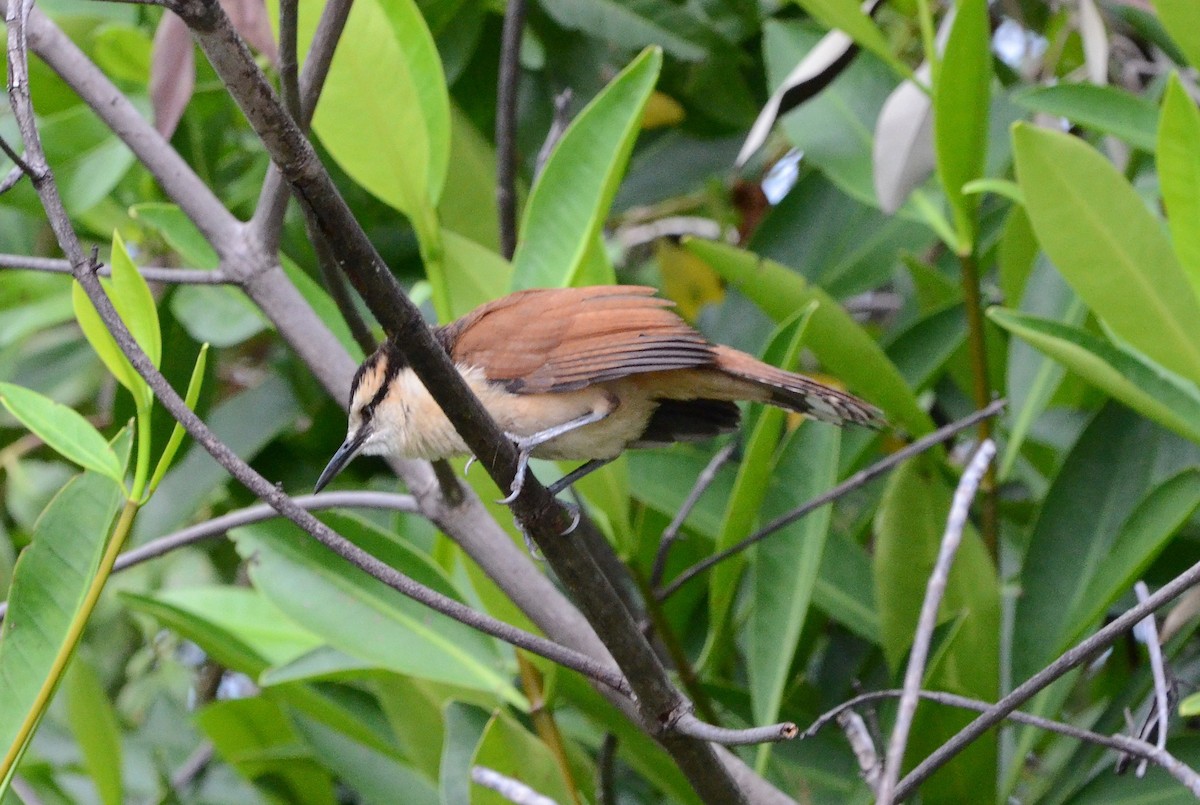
(954, 205)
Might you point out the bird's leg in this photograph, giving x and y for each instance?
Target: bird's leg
(579, 472)
(527, 444)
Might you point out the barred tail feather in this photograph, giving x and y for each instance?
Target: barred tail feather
(798, 393)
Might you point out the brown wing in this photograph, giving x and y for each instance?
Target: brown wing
(560, 339)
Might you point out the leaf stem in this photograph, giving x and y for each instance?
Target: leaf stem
(74, 633)
(982, 391)
(929, 42)
(141, 470)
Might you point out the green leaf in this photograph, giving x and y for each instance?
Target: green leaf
(474, 274)
(178, 432)
(135, 303)
(909, 525)
(178, 231)
(256, 737)
(239, 627)
(842, 346)
(1145, 387)
(571, 198)
(365, 618)
(1179, 175)
(105, 346)
(50, 582)
(847, 17)
(1179, 18)
(754, 473)
(1076, 528)
(510, 749)
(392, 137)
(1143, 536)
(1033, 378)
(374, 775)
(94, 723)
(1108, 110)
(634, 24)
(786, 565)
(218, 314)
(1113, 252)
(960, 113)
(63, 429)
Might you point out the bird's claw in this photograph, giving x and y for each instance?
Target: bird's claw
(518, 483)
(467, 467)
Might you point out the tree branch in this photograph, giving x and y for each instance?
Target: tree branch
(506, 124)
(174, 276)
(688, 724)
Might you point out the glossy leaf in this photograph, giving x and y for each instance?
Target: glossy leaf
(1179, 175)
(570, 200)
(50, 581)
(64, 430)
(1105, 109)
(134, 301)
(105, 346)
(364, 618)
(844, 348)
(787, 565)
(393, 138)
(474, 274)
(1113, 252)
(1147, 388)
(909, 525)
(960, 113)
(1179, 18)
(217, 314)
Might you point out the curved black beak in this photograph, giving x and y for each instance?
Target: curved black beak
(344, 455)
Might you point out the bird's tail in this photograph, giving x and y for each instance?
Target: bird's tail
(796, 392)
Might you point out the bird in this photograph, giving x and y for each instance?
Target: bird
(576, 374)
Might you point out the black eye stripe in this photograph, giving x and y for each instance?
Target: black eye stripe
(395, 363)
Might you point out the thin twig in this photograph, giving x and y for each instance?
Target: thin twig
(289, 63)
(855, 481)
(18, 161)
(1147, 632)
(688, 724)
(175, 276)
(195, 763)
(219, 526)
(10, 181)
(671, 532)
(558, 126)
(514, 791)
(869, 763)
(1077, 655)
(960, 510)
(506, 124)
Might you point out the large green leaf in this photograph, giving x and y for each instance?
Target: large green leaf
(363, 617)
(1111, 249)
(960, 113)
(63, 429)
(49, 584)
(375, 776)
(1147, 388)
(909, 525)
(787, 564)
(1179, 175)
(93, 721)
(839, 342)
(1179, 18)
(474, 273)
(754, 473)
(635, 24)
(1101, 482)
(1105, 109)
(570, 200)
(393, 136)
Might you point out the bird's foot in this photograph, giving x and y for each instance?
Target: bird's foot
(524, 450)
(531, 546)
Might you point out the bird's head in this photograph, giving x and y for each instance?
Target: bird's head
(367, 432)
